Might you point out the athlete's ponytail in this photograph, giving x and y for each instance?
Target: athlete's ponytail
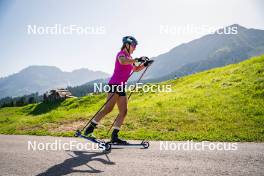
(123, 47)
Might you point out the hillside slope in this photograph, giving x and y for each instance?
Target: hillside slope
(222, 104)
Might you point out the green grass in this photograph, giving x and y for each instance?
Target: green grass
(222, 104)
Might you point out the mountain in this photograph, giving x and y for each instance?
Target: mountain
(42, 78)
(209, 51)
(221, 104)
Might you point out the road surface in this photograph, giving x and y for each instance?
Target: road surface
(17, 157)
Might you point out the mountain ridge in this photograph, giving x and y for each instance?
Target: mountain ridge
(40, 78)
(247, 43)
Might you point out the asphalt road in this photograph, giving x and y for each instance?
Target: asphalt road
(17, 157)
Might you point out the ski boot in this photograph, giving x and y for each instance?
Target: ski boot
(89, 130)
(116, 140)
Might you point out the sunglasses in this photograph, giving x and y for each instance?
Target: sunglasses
(134, 46)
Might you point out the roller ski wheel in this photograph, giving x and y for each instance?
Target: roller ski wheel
(145, 144)
(108, 146)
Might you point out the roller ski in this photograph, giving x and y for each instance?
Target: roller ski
(144, 144)
(115, 141)
(120, 143)
(88, 135)
(102, 145)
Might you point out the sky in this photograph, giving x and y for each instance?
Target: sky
(153, 23)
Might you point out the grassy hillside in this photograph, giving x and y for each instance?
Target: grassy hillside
(222, 104)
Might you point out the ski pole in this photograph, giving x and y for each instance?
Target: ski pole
(106, 103)
(129, 96)
(101, 107)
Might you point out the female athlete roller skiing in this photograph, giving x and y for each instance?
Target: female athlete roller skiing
(124, 65)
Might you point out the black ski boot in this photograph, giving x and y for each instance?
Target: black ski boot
(89, 130)
(116, 140)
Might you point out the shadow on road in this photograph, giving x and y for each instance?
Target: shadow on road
(80, 158)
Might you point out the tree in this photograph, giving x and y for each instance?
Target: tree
(31, 100)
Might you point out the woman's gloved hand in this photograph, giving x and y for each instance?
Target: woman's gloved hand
(142, 59)
(148, 63)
